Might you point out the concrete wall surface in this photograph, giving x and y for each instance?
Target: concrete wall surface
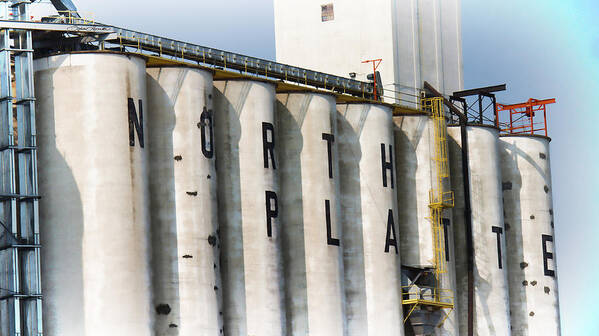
(248, 193)
(491, 298)
(313, 256)
(185, 254)
(414, 147)
(369, 216)
(417, 40)
(93, 179)
(525, 167)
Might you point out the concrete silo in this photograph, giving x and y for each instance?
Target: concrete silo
(490, 307)
(417, 176)
(414, 145)
(369, 216)
(95, 219)
(248, 199)
(528, 206)
(313, 258)
(185, 256)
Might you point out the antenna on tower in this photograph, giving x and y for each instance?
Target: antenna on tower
(375, 77)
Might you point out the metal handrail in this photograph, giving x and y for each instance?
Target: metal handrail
(427, 294)
(72, 17)
(234, 61)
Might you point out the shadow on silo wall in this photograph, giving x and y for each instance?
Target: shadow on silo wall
(230, 222)
(350, 155)
(482, 163)
(459, 230)
(292, 218)
(511, 187)
(163, 222)
(61, 225)
(407, 196)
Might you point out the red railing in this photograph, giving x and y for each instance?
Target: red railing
(529, 117)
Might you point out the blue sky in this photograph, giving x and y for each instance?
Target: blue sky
(546, 49)
(540, 48)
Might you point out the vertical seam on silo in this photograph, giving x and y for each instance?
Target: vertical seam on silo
(439, 46)
(245, 90)
(179, 84)
(362, 121)
(304, 108)
(419, 42)
(415, 44)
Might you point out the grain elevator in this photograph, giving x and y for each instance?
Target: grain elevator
(151, 186)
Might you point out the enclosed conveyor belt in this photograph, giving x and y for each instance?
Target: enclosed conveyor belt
(161, 46)
(234, 61)
(65, 6)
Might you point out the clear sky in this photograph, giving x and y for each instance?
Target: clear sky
(540, 48)
(546, 49)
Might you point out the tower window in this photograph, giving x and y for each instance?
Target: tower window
(327, 12)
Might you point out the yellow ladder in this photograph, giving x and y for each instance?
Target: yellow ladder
(439, 200)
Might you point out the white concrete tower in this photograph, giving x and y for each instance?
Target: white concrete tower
(417, 40)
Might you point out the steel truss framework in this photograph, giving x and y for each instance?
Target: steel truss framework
(482, 109)
(20, 282)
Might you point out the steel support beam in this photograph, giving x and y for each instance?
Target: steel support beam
(56, 27)
(482, 90)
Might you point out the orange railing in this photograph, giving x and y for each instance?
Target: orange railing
(529, 117)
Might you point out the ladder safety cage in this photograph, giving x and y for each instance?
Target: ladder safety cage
(440, 198)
